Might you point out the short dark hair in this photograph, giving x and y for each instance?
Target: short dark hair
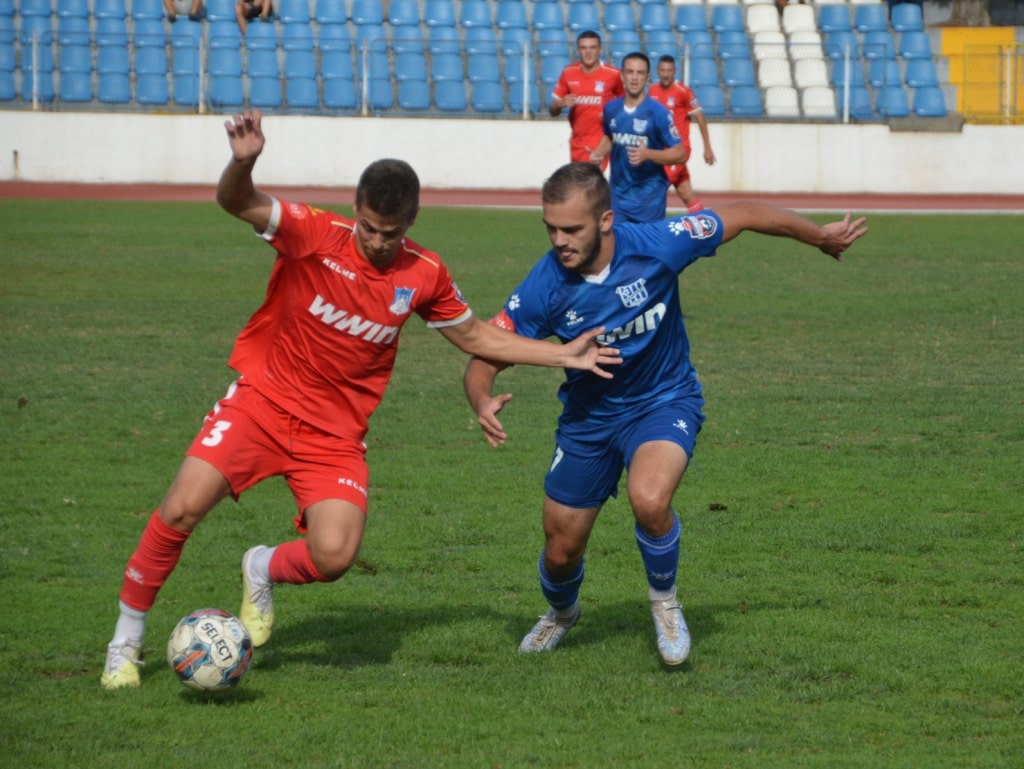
(667, 59)
(578, 176)
(389, 188)
(587, 34)
(637, 55)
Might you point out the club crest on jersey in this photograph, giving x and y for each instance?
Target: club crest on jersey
(599, 87)
(633, 295)
(698, 226)
(402, 301)
(639, 126)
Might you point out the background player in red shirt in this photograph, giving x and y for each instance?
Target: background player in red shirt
(583, 88)
(314, 361)
(683, 104)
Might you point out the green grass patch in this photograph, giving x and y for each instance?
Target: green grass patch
(851, 565)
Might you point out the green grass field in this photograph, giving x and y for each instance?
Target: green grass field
(851, 571)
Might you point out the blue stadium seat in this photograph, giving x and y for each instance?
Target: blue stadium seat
(483, 67)
(226, 91)
(860, 102)
(35, 8)
(301, 93)
(221, 34)
(745, 101)
(511, 14)
(334, 37)
(446, 66)
(414, 94)
(40, 86)
(692, 17)
(262, 63)
(661, 43)
(111, 32)
(834, 18)
(450, 95)
(515, 98)
(407, 40)
(109, 9)
(71, 30)
(7, 8)
(856, 73)
(929, 101)
(583, 16)
(514, 41)
(297, 37)
(879, 45)
(261, 36)
(480, 40)
(336, 64)
(703, 71)
(439, 13)
(152, 89)
(551, 41)
(655, 17)
(883, 71)
(551, 68)
(7, 90)
(548, 16)
(331, 12)
(475, 13)
(619, 16)
(376, 63)
(906, 17)
(186, 90)
(112, 59)
(186, 33)
(892, 102)
(340, 93)
(839, 44)
(8, 58)
(379, 94)
(298, 64)
(698, 43)
(219, 10)
(711, 98)
(404, 13)
(294, 11)
(146, 9)
(371, 36)
(727, 18)
(487, 96)
(149, 33)
(366, 12)
(184, 61)
(150, 61)
(75, 87)
(39, 28)
(114, 88)
(443, 40)
(622, 42)
(72, 8)
(915, 45)
(871, 17)
(265, 92)
(72, 58)
(512, 69)
(410, 66)
(738, 72)
(733, 45)
(225, 62)
(920, 73)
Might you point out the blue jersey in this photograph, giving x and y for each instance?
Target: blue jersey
(637, 301)
(638, 192)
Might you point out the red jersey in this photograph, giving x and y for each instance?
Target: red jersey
(592, 90)
(323, 343)
(681, 101)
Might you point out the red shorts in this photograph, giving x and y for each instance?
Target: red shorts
(677, 174)
(248, 438)
(581, 147)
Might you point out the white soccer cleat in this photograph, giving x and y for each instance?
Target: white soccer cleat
(673, 634)
(257, 612)
(551, 629)
(121, 670)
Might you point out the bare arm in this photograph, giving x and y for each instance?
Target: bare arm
(559, 103)
(476, 337)
(702, 124)
(602, 149)
(236, 193)
(478, 383)
(832, 239)
(666, 157)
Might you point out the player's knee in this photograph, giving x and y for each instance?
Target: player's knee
(332, 563)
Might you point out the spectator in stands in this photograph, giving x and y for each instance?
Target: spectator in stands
(681, 101)
(642, 139)
(192, 8)
(247, 10)
(584, 87)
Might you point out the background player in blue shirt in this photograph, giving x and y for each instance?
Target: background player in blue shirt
(624, 277)
(642, 137)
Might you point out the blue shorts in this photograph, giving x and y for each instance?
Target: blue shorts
(587, 479)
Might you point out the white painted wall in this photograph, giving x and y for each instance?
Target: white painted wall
(481, 154)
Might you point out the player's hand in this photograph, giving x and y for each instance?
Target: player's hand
(586, 354)
(709, 157)
(637, 155)
(245, 135)
(839, 236)
(487, 418)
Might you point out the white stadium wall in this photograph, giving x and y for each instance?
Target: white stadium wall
(483, 154)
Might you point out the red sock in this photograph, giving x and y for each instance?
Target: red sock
(152, 562)
(291, 563)
(695, 206)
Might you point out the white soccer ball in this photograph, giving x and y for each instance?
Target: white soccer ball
(209, 650)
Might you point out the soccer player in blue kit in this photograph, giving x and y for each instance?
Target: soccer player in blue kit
(642, 137)
(624, 277)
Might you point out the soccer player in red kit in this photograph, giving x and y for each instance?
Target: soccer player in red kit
(314, 361)
(682, 103)
(583, 88)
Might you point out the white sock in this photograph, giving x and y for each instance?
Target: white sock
(661, 595)
(259, 565)
(131, 624)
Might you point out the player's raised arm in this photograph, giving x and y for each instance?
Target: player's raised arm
(833, 238)
(236, 192)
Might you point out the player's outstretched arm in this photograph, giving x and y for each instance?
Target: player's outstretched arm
(236, 192)
(476, 337)
(832, 239)
(478, 383)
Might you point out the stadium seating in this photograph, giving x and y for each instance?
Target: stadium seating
(262, 63)
(745, 101)
(301, 93)
(224, 62)
(403, 13)
(703, 71)
(547, 16)
(920, 73)
(929, 101)
(443, 39)
(769, 45)
(619, 17)
(446, 66)
(261, 36)
(475, 13)
(727, 18)
(514, 41)
(297, 11)
(336, 64)
(763, 18)
(483, 67)
(414, 94)
(834, 18)
(734, 45)
(150, 61)
(781, 101)
(583, 16)
(149, 33)
(515, 98)
(843, 70)
(108, 9)
(487, 96)
(881, 72)
(450, 95)
(654, 17)
(68, 8)
(661, 43)
(186, 90)
(410, 66)
(72, 58)
(510, 14)
(71, 30)
(152, 89)
(340, 93)
(219, 10)
(818, 101)
(691, 17)
(915, 45)
(551, 68)
(439, 13)
(805, 45)
(879, 45)
(839, 45)
(480, 40)
(74, 87)
(298, 36)
(892, 102)
(809, 73)
(331, 12)
(264, 92)
(739, 72)
(774, 72)
(221, 34)
(711, 98)
(114, 88)
(907, 17)
(871, 18)
(797, 17)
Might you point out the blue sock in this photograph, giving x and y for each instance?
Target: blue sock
(660, 556)
(560, 595)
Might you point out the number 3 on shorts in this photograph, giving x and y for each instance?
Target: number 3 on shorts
(216, 433)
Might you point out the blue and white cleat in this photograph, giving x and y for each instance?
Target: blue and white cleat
(673, 634)
(551, 629)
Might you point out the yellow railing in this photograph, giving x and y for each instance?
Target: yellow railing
(987, 67)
